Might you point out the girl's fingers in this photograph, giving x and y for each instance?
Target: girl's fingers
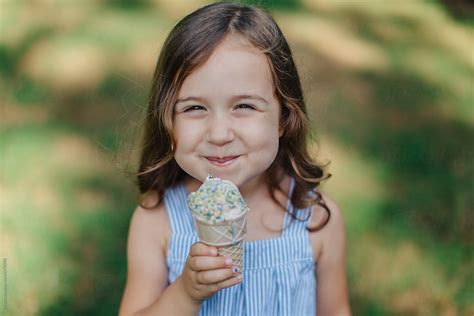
(202, 263)
(236, 279)
(200, 249)
(214, 276)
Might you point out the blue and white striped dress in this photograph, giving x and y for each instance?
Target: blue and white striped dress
(278, 274)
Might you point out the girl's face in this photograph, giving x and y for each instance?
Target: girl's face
(226, 119)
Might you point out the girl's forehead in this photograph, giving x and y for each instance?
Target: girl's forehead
(237, 42)
(235, 65)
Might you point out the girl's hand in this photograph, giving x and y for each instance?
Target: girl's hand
(206, 272)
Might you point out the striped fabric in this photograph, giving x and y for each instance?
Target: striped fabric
(278, 273)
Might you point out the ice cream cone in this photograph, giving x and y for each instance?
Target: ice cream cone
(227, 236)
(220, 216)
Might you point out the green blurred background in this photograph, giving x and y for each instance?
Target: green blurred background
(389, 87)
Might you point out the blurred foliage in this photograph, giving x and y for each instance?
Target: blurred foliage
(389, 90)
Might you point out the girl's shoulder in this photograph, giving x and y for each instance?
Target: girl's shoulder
(150, 220)
(330, 239)
(146, 255)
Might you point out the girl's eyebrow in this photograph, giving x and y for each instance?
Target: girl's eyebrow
(237, 97)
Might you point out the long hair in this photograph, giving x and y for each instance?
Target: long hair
(189, 45)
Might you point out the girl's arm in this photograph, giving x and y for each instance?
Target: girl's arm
(332, 291)
(147, 273)
(147, 291)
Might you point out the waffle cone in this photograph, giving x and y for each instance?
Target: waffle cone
(226, 236)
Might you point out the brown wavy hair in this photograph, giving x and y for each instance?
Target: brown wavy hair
(189, 44)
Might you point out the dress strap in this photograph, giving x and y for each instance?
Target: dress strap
(298, 225)
(180, 217)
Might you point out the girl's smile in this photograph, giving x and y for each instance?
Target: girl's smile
(222, 162)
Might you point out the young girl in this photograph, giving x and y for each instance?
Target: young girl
(226, 100)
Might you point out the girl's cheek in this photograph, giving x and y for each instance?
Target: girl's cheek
(189, 126)
(192, 135)
(266, 126)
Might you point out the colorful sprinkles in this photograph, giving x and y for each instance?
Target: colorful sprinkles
(214, 198)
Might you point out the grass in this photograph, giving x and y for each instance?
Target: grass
(389, 91)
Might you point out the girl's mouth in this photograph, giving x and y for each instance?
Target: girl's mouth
(224, 161)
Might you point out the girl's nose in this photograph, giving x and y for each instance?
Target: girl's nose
(220, 131)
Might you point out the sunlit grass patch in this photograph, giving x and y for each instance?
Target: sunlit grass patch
(404, 277)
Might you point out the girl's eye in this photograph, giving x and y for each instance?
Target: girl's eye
(245, 106)
(193, 108)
